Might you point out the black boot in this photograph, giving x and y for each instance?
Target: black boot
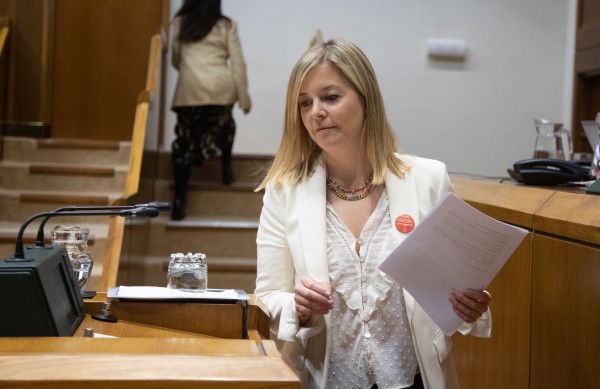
(181, 175)
(226, 171)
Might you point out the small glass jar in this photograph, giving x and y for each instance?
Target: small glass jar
(75, 239)
(188, 272)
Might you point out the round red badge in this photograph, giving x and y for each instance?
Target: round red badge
(405, 223)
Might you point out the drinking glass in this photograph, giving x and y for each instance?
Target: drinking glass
(188, 272)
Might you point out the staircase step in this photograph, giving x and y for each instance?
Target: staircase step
(205, 199)
(72, 170)
(18, 206)
(75, 151)
(225, 238)
(212, 242)
(78, 144)
(65, 177)
(214, 186)
(213, 223)
(65, 198)
(247, 169)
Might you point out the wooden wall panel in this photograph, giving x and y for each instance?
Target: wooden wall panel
(546, 297)
(565, 324)
(101, 59)
(26, 47)
(501, 361)
(4, 7)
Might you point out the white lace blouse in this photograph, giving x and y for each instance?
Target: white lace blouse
(370, 338)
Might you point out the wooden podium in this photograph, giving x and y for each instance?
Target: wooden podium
(154, 344)
(546, 297)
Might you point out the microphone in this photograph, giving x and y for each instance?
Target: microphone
(131, 211)
(159, 205)
(49, 302)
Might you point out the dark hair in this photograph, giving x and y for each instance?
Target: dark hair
(197, 18)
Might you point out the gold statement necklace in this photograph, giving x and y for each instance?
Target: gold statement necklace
(350, 194)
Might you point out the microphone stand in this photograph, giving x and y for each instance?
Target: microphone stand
(38, 292)
(161, 206)
(19, 251)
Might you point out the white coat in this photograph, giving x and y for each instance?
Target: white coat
(212, 71)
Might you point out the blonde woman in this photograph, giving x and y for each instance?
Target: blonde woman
(332, 196)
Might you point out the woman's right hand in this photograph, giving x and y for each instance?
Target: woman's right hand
(312, 298)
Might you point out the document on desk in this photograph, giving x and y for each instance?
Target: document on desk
(161, 293)
(454, 247)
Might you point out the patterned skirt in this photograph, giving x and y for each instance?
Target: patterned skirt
(202, 132)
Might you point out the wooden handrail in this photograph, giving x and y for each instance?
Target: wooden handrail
(145, 100)
(4, 30)
(112, 253)
(137, 148)
(153, 73)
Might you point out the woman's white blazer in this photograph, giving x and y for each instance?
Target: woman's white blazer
(292, 243)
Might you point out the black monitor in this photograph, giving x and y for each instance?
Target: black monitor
(38, 296)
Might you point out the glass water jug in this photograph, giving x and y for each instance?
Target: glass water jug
(552, 141)
(75, 238)
(595, 167)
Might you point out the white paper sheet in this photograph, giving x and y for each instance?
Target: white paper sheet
(97, 335)
(454, 247)
(160, 293)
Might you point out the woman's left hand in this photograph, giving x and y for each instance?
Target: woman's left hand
(470, 304)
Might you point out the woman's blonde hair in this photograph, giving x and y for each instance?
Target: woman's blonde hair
(295, 160)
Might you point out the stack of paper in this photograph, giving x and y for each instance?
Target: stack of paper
(454, 247)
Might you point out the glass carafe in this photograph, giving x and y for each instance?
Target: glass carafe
(75, 238)
(552, 141)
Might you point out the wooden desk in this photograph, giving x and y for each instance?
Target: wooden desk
(152, 350)
(546, 299)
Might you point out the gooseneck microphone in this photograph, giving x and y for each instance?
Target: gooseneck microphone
(159, 205)
(49, 302)
(19, 255)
